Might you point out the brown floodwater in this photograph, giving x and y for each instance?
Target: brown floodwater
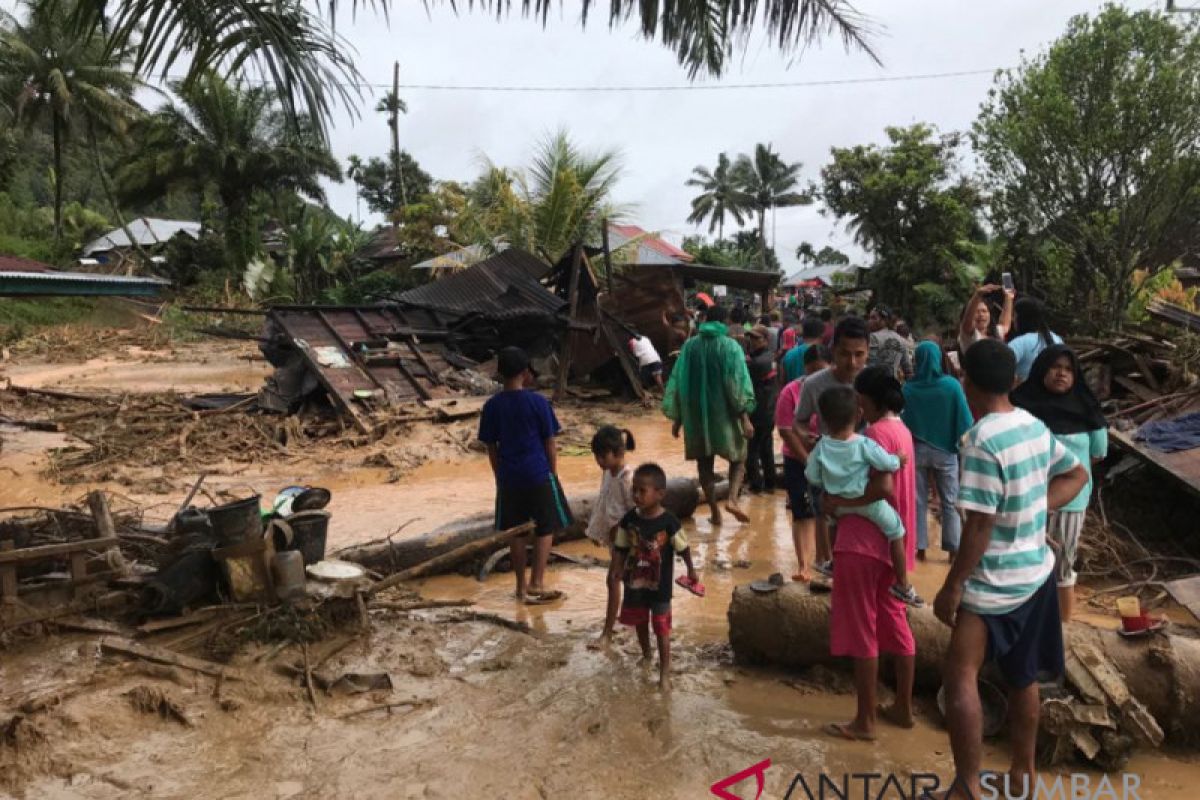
(510, 715)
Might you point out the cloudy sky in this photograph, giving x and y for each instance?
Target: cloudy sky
(663, 134)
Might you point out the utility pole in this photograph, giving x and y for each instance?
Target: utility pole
(394, 122)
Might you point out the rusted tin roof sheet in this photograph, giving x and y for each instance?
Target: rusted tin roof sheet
(505, 286)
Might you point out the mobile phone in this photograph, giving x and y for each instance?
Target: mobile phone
(1007, 281)
(953, 356)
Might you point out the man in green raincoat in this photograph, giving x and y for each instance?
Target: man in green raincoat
(711, 397)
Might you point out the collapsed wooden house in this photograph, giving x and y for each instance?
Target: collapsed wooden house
(411, 351)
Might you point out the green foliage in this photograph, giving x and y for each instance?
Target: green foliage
(740, 252)
(1094, 146)
(560, 199)
(323, 251)
(721, 194)
(231, 141)
(906, 204)
(72, 82)
(188, 259)
(827, 256)
(768, 182)
(377, 183)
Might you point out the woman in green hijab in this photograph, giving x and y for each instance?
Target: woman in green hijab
(710, 396)
(936, 413)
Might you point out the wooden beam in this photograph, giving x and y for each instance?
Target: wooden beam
(8, 575)
(624, 357)
(161, 655)
(98, 504)
(27, 554)
(564, 353)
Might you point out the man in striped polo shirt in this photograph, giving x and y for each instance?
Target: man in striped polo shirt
(1000, 595)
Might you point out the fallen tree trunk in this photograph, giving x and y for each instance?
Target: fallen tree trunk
(683, 495)
(453, 557)
(790, 628)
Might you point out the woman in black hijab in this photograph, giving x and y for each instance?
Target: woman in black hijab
(1057, 394)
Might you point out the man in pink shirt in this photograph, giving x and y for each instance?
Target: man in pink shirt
(804, 536)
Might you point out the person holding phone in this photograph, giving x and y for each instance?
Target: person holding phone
(978, 320)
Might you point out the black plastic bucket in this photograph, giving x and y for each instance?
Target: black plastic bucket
(237, 522)
(309, 532)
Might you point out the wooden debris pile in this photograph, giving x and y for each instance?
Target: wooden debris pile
(1146, 373)
(1111, 553)
(79, 343)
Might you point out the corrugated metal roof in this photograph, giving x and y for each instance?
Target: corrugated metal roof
(79, 284)
(650, 249)
(148, 231)
(752, 280)
(502, 287)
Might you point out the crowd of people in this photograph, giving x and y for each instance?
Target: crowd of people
(995, 438)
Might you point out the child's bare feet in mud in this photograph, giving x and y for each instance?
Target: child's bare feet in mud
(601, 642)
(896, 716)
(738, 514)
(664, 682)
(715, 517)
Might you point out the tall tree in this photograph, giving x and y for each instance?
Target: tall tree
(1094, 146)
(293, 45)
(229, 140)
(825, 257)
(768, 182)
(378, 184)
(720, 195)
(907, 205)
(71, 82)
(560, 199)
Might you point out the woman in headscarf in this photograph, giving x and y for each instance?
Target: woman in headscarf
(1057, 394)
(936, 413)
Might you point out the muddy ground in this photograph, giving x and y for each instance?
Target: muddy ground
(494, 712)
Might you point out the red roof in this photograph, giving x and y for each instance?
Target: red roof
(653, 242)
(18, 264)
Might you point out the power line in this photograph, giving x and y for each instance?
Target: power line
(682, 87)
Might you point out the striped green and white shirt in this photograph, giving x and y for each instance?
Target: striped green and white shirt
(1007, 461)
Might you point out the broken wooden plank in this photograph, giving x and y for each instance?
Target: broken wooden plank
(624, 357)
(98, 504)
(86, 625)
(161, 655)
(1143, 393)
(1138, 722)
(26, 554)
(1111, 682)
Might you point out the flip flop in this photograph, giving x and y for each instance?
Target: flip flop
(763, 587)
(840, 730)
(546, 595)
(696, 587)
(820, 587)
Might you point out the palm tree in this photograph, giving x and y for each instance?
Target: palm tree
(230, 140)
(720, 195)
(562, 198)
(294, 46)
(768, 183)
(393, 106)
(74, 83)
(354, 171)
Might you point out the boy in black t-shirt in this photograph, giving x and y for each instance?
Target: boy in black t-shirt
(647, 541)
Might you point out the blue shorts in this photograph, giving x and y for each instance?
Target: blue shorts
(796, 486)
(1026, 643)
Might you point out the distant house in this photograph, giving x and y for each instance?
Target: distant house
(650, 249)
(23, 277)
(112, 250)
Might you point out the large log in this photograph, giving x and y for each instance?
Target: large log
(683, 495)
(790, 628)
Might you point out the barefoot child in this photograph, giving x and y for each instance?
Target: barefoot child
(615, 500)
(841, 464)
(519, 428)
(647, 541)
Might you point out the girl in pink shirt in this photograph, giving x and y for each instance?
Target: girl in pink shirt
(865, 617)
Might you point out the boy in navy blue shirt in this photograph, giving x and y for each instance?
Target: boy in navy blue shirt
(518, 426)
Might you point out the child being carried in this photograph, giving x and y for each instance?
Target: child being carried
(840, 465)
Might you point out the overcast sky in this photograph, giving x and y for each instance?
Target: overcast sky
(663, 134)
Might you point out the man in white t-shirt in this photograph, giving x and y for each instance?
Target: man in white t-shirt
(649, 363)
